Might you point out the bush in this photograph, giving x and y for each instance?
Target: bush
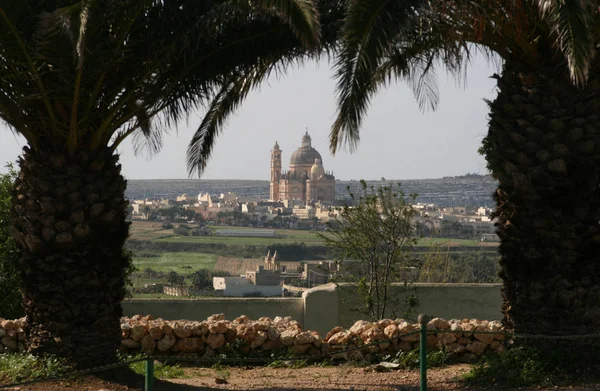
(203, 278)
(197, 232)
(182, 230)
(174, 278)
(10, 295)
(167, 226)
(523, 367)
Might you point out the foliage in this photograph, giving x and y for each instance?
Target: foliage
(411, 359)
(289, 252)
(371, 242)
(434, 33)
(285, 251)
(10, 295)
(439, 265)
(519, 367)
(117, 72)
(222, 371)
(203, 278)
(167, 226)
(162, 370)
(16, 367)
(175, 213)
(182, 230)
(174, 278)
(298, 282)
(130, 270)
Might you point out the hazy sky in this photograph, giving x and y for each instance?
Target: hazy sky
(398, 141)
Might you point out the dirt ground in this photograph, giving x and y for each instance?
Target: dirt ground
(288, 379)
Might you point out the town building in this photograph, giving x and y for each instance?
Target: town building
(305, 180)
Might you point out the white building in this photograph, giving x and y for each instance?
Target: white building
(205, 198)
(228, 197)
(185, 198)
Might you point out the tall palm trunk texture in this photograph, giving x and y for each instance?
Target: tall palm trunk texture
(543, 146)
(69, 224)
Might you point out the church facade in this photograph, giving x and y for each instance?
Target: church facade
(305, 180)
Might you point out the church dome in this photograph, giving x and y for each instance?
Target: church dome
(317, 170)
(306, 154)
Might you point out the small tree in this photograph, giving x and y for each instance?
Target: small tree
(371, 241)
(175, 279)
(201, 279)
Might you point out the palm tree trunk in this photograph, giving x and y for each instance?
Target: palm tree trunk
(543, 146)
(69, 224)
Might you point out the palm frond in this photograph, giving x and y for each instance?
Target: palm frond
(572, 22)
(301, 15)
(225, 102)
(371, 27)
(167, 57)
(148, 139)
(26, 58)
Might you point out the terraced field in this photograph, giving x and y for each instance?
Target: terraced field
(236, 266)
(180, 262)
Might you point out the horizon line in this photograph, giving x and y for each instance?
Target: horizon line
(267, 180)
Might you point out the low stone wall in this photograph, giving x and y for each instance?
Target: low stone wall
(12, 337)
(286, 336)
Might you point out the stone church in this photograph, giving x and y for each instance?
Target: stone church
(306, 178)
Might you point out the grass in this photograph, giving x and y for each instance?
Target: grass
(410, 360)
(241, 241)
(309, 240)
(148, 230)
(152, 230)
(18, 367)
(161, 370)
(180, 262)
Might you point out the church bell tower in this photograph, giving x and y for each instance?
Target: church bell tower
(275, 172)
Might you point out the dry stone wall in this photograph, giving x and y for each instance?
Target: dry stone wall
(284, 335)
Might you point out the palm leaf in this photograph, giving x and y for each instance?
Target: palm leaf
(225, 102)
(301, 15)
(572, 22)
(371, 27)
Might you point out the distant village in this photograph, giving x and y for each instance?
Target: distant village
(302, 197)
(229, 209)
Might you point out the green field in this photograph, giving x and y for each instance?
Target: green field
(240, 241)
(306, 239)
(180, 262)
(152, 231)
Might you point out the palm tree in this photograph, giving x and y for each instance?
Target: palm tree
(543, 144)
(76, 80)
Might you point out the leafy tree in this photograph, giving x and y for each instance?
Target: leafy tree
(201, 279)
(371, 243)
(175, 279)
(77, 78)
(543, 143)
(10, 295)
